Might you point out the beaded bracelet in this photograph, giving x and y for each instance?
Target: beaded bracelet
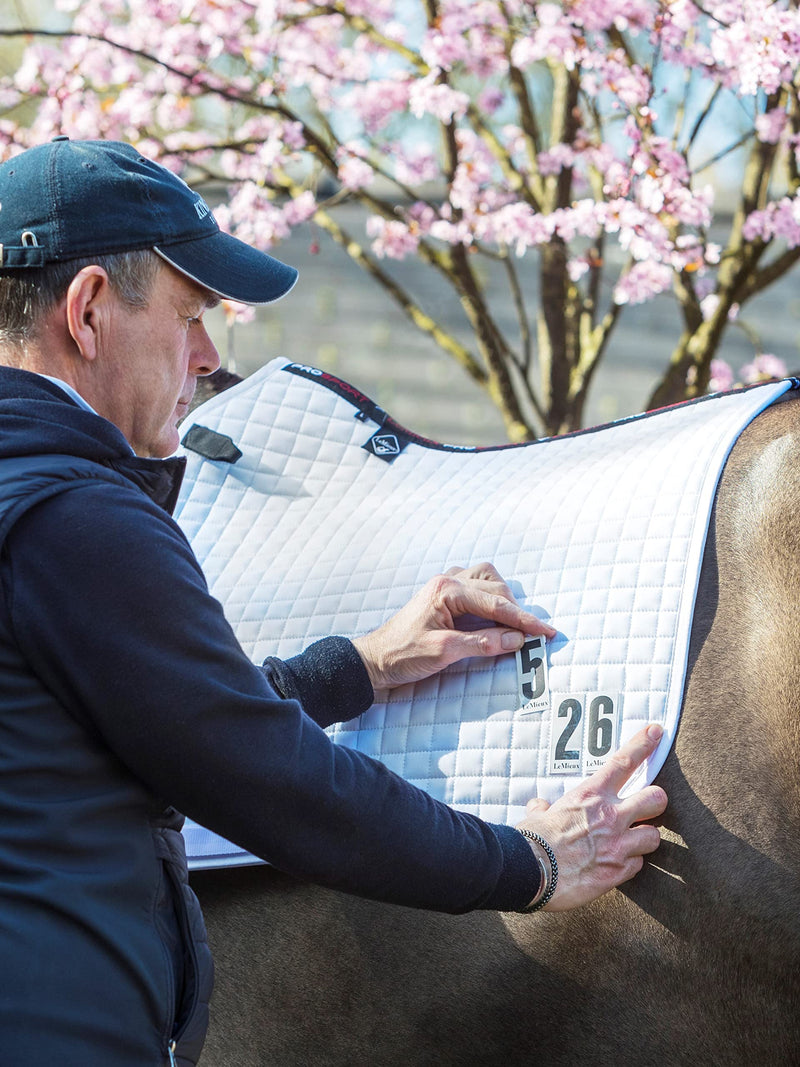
(549, 879)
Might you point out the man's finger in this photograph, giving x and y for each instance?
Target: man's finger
(641, 840)
(493, 641)
(646, 804)
(618, 768)
(486, 571)
(494, 605)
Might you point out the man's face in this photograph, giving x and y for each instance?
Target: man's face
(157, 354)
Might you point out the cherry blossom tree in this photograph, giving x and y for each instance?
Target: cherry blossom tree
(592, 135)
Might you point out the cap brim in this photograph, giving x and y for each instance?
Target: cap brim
(230, 268)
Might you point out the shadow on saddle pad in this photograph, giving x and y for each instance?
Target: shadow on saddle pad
(313, 513)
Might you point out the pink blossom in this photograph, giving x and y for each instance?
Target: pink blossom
(395, 30)
(642, 282)
(713, 253)
(474, 187)
(376, 103)
(757, 42)
(354, 172)
(467, 35)
(516, 225)
(421, 216)
(583, 219)
(577, 268)
(415, 165)
(650, 194)
(678, 21)
(28, 74)
(237, 313)
(491, 99)
(770, 125)
(764, 367)
(629, 82)
(172, 112)
(254, 217)
(391, 238)
(555, 37)
(9, 97)
(668, 160)
(779, 219)
(556, 158)
(709, 304)
(359, 104)
(452, 233)
(300, 208)
(442, 49)
(691, 207)
(376, 10)
(722, 378)
(431, 97)
(622, 14)
(758, 225)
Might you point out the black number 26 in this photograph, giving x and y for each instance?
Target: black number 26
(599, 727)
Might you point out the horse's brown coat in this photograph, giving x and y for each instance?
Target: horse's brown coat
(697, 960)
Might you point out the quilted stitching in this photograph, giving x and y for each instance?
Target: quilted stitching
(309, 534)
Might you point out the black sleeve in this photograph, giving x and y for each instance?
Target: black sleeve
(328, 678)
(109, 607)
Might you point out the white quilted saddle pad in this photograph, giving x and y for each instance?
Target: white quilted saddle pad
(310, 533)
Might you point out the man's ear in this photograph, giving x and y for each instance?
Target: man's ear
(87, 308)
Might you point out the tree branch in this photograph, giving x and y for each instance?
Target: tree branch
(446, 341)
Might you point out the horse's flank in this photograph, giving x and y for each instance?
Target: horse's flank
(697, 960)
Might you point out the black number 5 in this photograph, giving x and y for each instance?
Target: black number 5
(532, 665)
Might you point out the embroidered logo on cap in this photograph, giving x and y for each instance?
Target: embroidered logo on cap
(202, 208)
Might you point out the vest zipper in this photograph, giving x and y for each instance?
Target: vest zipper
(193, 971)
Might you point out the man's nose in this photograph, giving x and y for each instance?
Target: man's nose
(204, 357)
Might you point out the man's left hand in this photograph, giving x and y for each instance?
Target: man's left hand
(424, 636)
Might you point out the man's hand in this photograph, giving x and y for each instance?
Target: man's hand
(593, 833)
(424, 636)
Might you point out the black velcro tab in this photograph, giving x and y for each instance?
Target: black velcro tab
(211, 444)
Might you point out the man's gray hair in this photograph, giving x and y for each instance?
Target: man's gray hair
(27, 296)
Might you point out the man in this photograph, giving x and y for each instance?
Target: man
(125, 696)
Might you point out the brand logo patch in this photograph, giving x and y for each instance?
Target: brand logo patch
(202, 208)
(386, 445)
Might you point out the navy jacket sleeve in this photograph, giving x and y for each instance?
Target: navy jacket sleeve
(110, 608)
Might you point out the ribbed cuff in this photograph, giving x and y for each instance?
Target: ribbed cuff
(521, 877)
(329, 679)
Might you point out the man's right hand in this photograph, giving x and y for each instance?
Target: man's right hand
(593, 833)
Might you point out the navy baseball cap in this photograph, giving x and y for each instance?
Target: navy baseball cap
(76, 199)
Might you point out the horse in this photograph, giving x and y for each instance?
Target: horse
(695, 960)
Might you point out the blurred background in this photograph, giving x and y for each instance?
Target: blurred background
(339, 320)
